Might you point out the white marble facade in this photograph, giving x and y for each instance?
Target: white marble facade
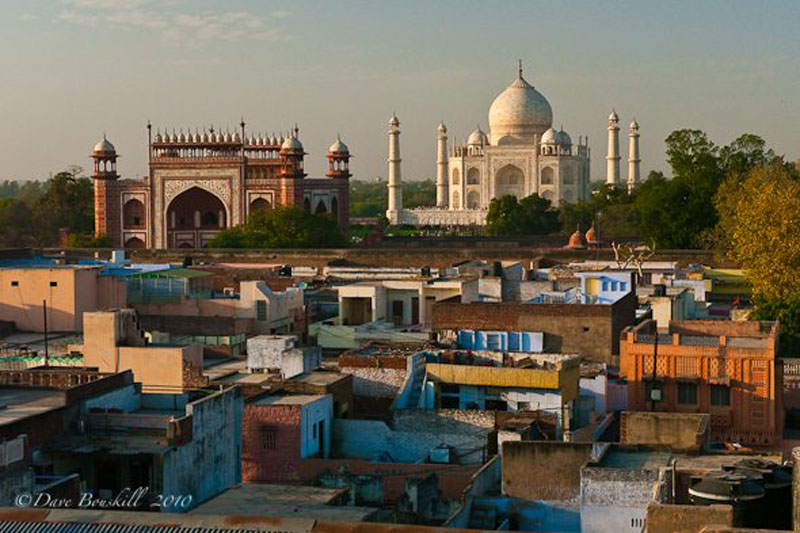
(522, 154)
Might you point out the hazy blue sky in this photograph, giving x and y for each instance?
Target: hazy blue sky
(72, 69)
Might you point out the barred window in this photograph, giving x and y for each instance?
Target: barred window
(720, 395)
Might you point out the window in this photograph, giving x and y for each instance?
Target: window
(493, 341)
(269, 438)
(720, 395)
(261, 310)
(523, 406)
(605, 285)
(687, 393)
(613, 285)
(15, 283)
(54, 284)
(623, 286)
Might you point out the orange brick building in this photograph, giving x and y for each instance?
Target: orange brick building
(727, 369)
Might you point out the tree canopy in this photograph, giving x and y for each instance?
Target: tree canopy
(533, 215)
(282, 227)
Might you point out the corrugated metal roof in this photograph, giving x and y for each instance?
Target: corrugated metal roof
(64, 527)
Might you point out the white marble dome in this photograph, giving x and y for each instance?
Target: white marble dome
(292, 143)
(519, 113)
(550, 137)
(104, 146)
(477, 137)
(339, 147)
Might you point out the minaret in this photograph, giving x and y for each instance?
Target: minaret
(613, 158)
(395, 185)
(441, 166)
(106, 193)
(633, 156)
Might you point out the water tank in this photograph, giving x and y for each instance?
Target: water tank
(740, 491)
(776, 506)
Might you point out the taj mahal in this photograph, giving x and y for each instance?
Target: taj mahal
(521, 154)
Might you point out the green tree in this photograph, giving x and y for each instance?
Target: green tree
(282, 227)
(533, 215)
(15, 223)
(68, 203)
(787, 312)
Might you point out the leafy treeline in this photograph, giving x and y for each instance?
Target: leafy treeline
(283, 227)
(369, 198)
(32, 213)
(676, 213)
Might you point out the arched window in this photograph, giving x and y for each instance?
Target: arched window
(134, 243)
(209, 219)
(547, 176)
(210, 210)
(260, 205)
(133, 214)
(473, 176)
(321, 209)
(509, 181)
(307, 205)
(456, 200)
(473, 200)
(569, 176)
(456, 177)
(335, 207)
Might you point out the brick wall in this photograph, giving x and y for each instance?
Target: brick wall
(279, 462)
(543, 470)
(686, 518)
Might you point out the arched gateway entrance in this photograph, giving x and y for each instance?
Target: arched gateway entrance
(194, 217)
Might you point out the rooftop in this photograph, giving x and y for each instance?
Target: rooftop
(287, 399)
(20, 403)
(283, 501)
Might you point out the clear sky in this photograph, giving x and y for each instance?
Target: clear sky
(72, 69)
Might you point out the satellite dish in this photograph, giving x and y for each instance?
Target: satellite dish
(302, 285)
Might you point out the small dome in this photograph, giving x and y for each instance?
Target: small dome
(292, 143)
(280, 140)
(550, 137)
(442, 128)
(591, 236)
(237, 138)
(228, 137)
(613, 117)
(634, 125)
(477, 137)
(158, 138)
(576, 241)
(104, 146)
(394, 121)
(273, 140)
(564, 138)
(204, 138)
(339, 147)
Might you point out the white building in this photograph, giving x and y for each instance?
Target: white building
(522, 154)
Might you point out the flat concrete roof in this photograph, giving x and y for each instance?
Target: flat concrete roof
(319, 378)
(22, 402)
(288, 399)
(296, 501)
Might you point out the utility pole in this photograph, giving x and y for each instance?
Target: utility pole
(46, 354)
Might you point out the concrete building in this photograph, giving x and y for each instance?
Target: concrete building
(401, 302)
(280, 430)
(189, 446)
(113, 342)
(493, 381)
(69, 290)
(280, 353)
(729, 370)
(256, 309)
(586, 321)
